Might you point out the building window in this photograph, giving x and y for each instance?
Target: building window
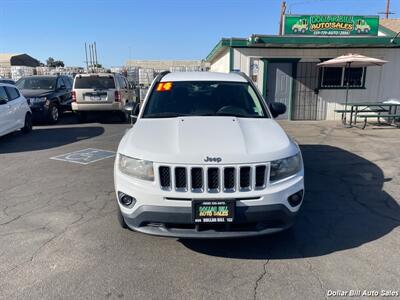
(338, 77)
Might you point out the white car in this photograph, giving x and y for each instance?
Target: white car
(206, 159)
(15, 113)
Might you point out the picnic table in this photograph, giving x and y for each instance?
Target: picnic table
(367, 110)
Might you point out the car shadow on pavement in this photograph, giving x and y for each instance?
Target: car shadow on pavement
(344, 207)
(69, 118)
(46, 138)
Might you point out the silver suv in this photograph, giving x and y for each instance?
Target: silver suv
(101, 92)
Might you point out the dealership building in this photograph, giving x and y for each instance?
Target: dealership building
(285, 67)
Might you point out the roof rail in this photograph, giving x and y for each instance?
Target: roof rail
(265, 102)
(243, 74)
(161, 75)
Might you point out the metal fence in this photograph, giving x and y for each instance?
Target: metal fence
(307, 105)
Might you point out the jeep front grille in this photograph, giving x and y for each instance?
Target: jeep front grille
(229, 179)
(245, 179)
(213, 179)
(165, 177)
(197, 179)
(180, 178)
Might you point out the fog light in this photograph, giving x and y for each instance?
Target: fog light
(296, 199)
(126, 200)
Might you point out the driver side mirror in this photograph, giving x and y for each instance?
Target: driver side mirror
(3, 101)
(62, 87)
(277, 108)
(132, 109)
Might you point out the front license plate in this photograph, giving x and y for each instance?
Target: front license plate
(213, 211)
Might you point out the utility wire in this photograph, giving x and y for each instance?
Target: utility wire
(290, 5)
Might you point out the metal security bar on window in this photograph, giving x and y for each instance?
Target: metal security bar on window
(338, 77)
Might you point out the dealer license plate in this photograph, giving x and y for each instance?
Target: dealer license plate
(213, 211)
(95, 98)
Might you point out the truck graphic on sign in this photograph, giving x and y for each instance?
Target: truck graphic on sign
(300, 26)
(362, 26)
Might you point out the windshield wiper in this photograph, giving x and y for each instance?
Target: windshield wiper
(166, 115)
(228, 114)
(177, 115)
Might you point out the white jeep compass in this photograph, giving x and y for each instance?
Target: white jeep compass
(205, 159)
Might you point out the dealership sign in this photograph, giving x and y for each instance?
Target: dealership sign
(331, 25)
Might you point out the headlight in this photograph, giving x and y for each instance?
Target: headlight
(38, 100)
(137, 168)
(286, 167)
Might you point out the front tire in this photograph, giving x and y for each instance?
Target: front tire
(28, 123)
(121, 220)
(54, 113)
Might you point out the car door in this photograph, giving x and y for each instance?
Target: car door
(61, 89)
(124, 89)
(68, 91)
(16, 108)
(4, 113)
(129, 89)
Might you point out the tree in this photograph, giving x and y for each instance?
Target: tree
(50, 62)
(59, 63)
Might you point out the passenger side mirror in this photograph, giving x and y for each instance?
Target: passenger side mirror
(277, 108)
(62, 87)
(3, 101)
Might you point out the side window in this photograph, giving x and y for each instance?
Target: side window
(126, 83)
(122, 83)
(3, 94)
(67, 83)
(12, 93)
(60, 82)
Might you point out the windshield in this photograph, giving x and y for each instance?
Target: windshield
(37, 83)
(94, 82)
(204, 98)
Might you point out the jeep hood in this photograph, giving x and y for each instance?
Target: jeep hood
(191, 139)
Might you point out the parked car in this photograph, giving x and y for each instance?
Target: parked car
(48, 96)
(101, 92)
(14, 110)
(5, 80)
(206, 159)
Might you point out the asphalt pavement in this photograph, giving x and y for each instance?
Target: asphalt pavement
(60, 239)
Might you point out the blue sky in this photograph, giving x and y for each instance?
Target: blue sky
(152, 29)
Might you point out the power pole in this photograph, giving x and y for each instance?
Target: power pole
(283, 12)
(87, 64)
(91, 57)
(95, 53)
(387, 12)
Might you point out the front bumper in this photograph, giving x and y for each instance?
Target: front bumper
(39, 111)
(177, 222)
(169, 213)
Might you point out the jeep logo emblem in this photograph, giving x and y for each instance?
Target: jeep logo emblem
(213, 159)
